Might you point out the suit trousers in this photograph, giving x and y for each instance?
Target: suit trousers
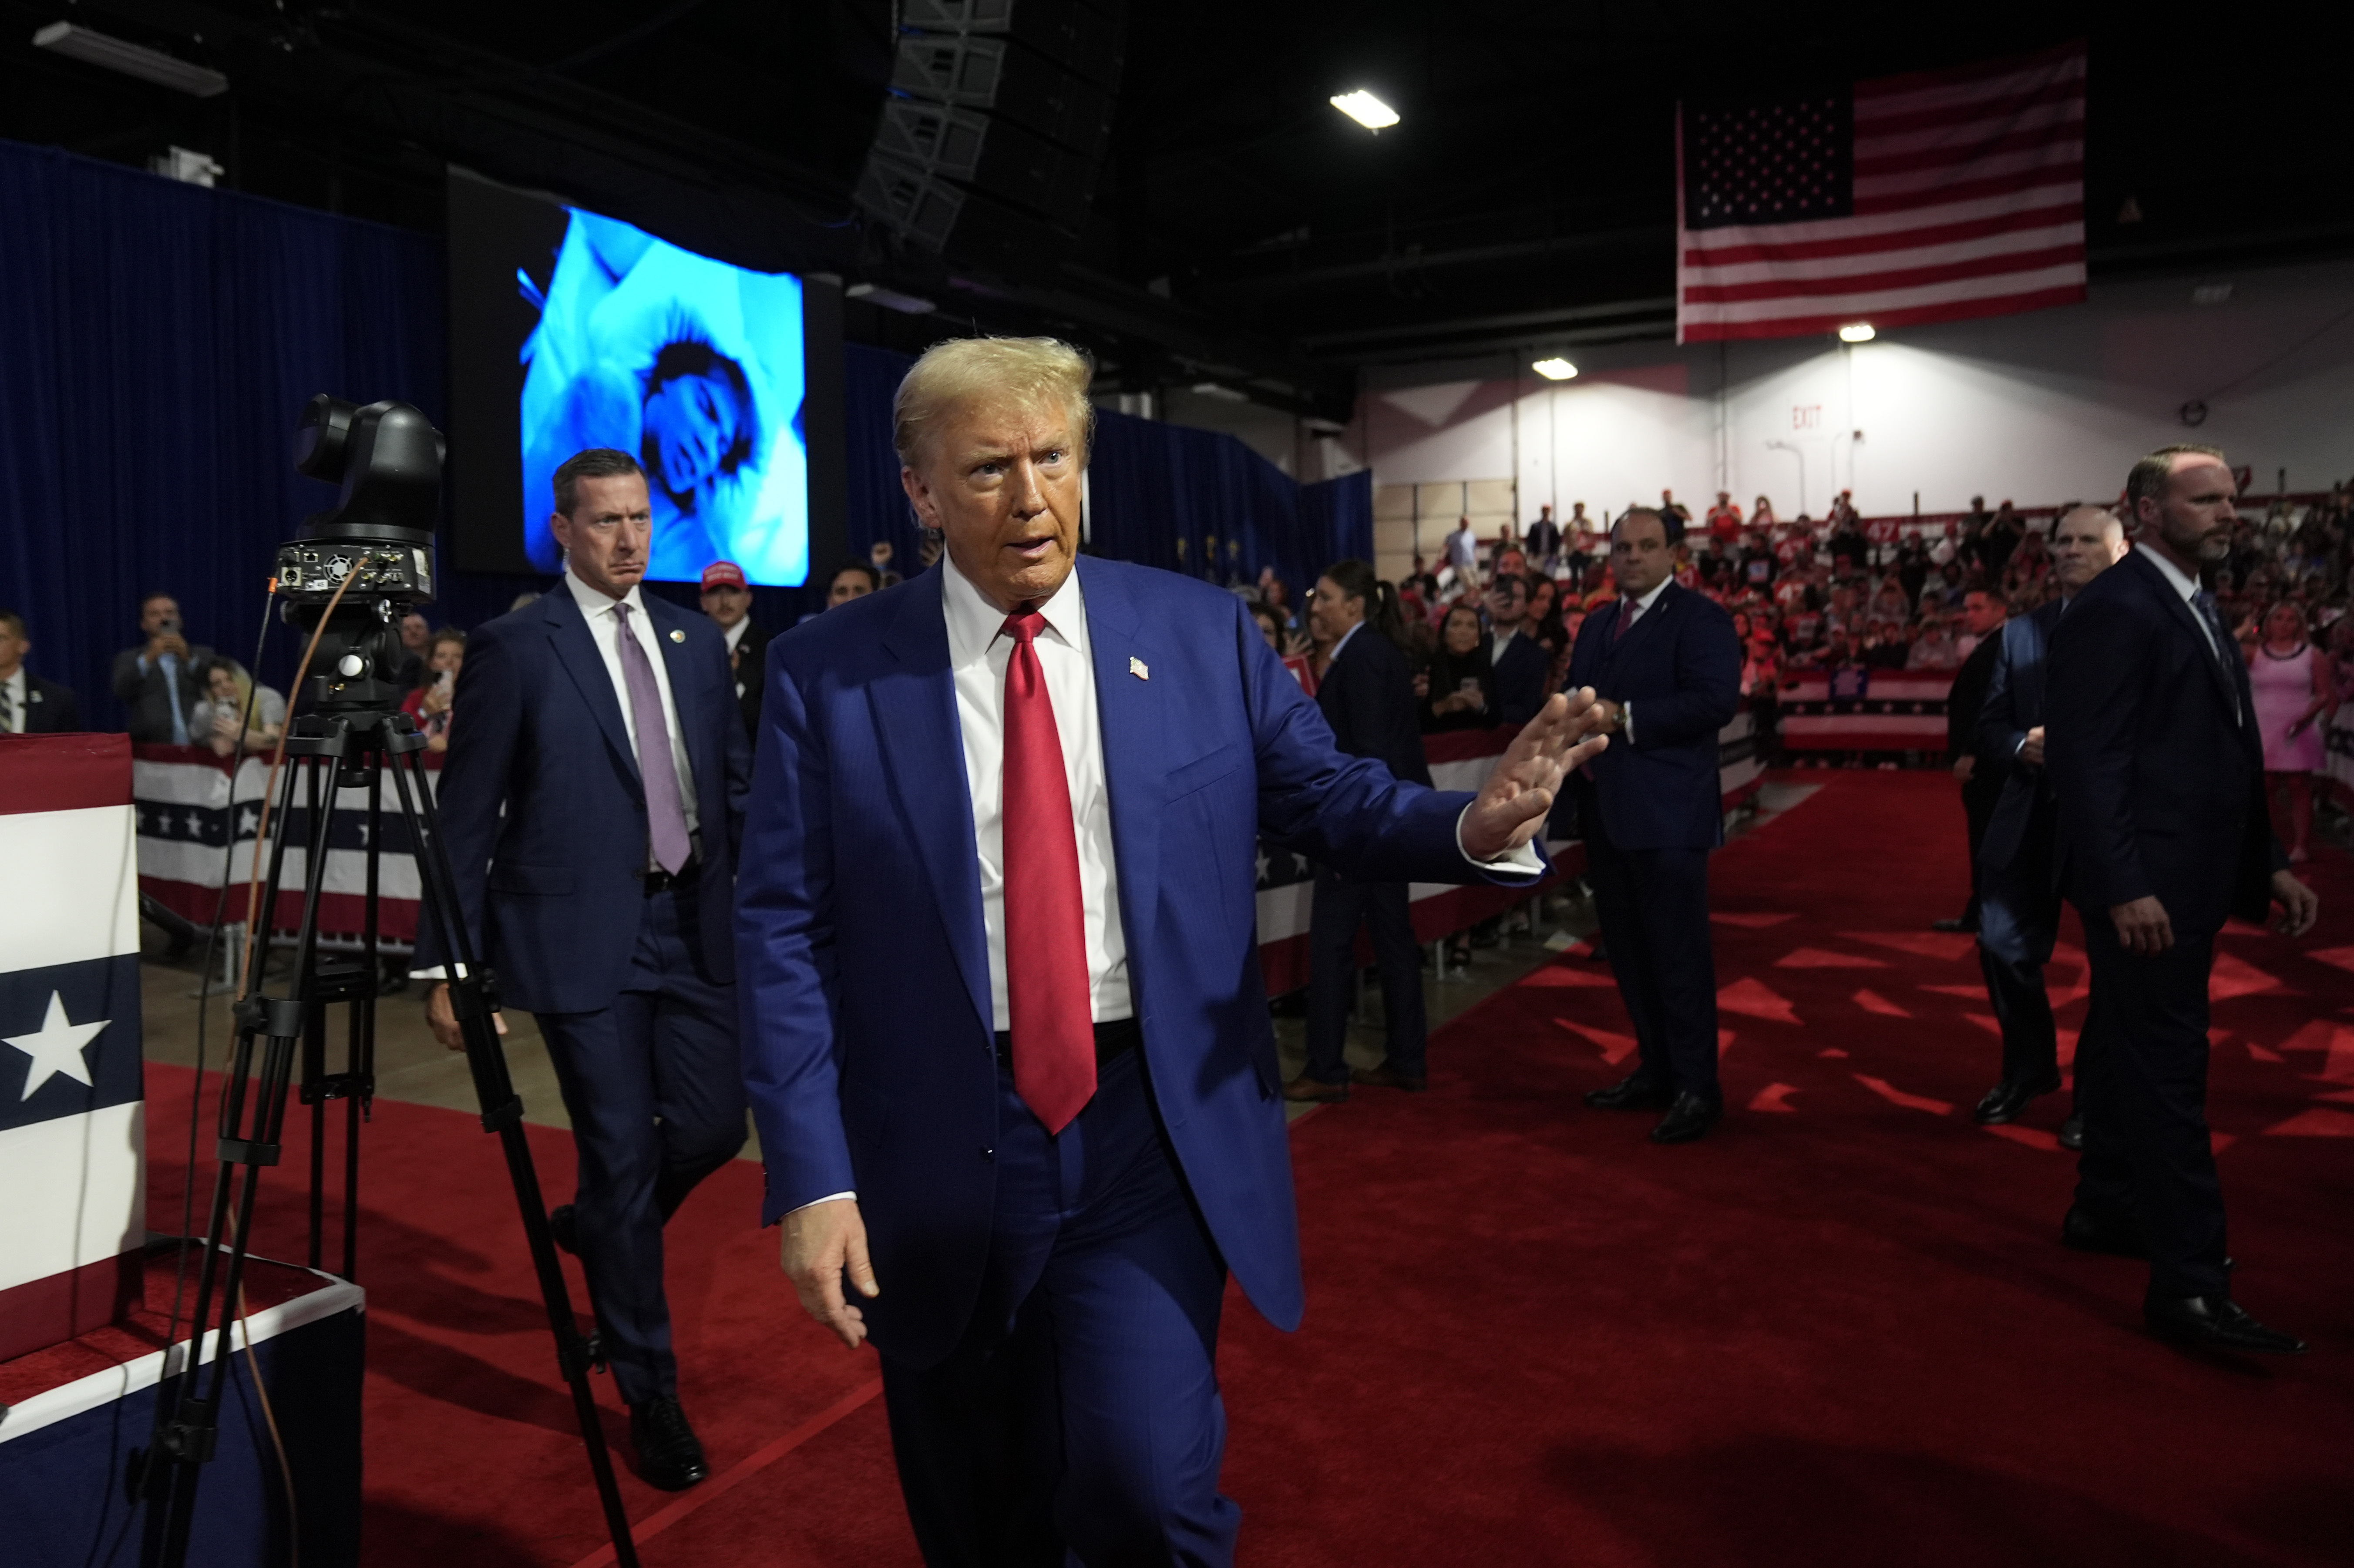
(2141, 1075)
(1978, 802)
(1654, 909)
(1079, 1419)
(1338, 908)
(655, 1090)
(2018, 921)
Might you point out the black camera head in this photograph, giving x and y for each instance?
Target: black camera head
(387, 459)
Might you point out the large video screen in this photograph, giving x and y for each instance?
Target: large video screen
(572, 329)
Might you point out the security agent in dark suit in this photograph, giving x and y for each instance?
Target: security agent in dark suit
(2019, 895)
(728, 600)
(1521, 666)
(592, 801)
(28, 705)
(2158, 773)
(1367, 696)
(1982, 615)
(161, 681)
(1666, 664)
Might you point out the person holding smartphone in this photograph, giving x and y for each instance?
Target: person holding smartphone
(161, 681)
(428, 704)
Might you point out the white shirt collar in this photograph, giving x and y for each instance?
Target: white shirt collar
(2187, 586)
(974, 623)
(1644, 602)
(594, 603)
(1335, 655)
(734, 634)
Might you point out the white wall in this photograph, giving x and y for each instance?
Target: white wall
(2042, 408)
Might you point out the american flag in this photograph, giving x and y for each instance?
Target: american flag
(1926, 197)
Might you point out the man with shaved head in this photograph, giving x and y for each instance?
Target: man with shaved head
(2157, 776)
(2018, 906)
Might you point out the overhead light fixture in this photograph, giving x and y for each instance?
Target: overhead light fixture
(890, 299)
(1555, 369)
(110, 53)
(1366, 110)
(1224, 394)
(1857, 332)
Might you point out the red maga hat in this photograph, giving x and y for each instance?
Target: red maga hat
(724, 574)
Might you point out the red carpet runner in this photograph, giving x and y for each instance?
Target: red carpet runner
(1840, 1330)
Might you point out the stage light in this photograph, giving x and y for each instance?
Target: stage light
(1857, 332)
(132, 59)
(1366, 110)
(890, 299)
(1555, 369)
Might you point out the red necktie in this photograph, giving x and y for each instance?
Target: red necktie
(1045, 922)
(1628, 608)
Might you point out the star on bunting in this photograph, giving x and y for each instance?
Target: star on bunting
(56, 1049)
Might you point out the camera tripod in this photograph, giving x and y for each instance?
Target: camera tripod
(346, 746)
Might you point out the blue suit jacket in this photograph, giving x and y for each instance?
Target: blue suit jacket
(1680, 667)
(544, 812)
(2022, 824)
(867, 1043)
(2159, 786)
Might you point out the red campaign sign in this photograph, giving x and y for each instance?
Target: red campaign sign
(1880, 530)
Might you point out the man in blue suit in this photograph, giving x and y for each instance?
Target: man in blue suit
(1003, 1026)
(2019, 895)
(591, 799)
(2158, 773)
(1666, 666)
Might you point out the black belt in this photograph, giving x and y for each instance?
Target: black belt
(660, 880)
(1113, 1040)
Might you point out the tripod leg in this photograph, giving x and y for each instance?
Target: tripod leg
(503, 1115)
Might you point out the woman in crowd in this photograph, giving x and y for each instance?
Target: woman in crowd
(2292, 687)
(1458, 690)
(429, 706)
(217, 719)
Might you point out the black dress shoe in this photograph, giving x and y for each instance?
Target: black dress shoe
(2072, 1134)
(2007, 1100)
(1634, 1092)
(1689, 1118)
(565, 1228)
(2216, 1322)
(2084, 1229)
(670, 1456)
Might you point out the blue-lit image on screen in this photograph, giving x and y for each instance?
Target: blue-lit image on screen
(694, 367)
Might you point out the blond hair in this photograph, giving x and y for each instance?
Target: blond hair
(1025, 370)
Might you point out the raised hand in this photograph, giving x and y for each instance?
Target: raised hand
(1512, 805)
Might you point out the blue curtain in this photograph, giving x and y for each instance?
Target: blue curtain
(156, 340)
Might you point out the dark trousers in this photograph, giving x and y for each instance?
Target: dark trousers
(2019, 921)
(1079, 1419)
(2141, 1075)
(1654, 909)
(1979, 800)
(655, 1090)
(1339, 907)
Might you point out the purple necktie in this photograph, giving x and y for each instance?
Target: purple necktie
(665, 817)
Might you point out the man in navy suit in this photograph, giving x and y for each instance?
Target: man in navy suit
(592, 798)
(2019, 895)
(1367, 696)
(1520, 665)
(2158, 773)
(1003, 1026)
(1666, 666)
(28, 705)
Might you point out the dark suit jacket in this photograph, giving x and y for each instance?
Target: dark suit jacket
(1367, 696)
(1680, 665)
(545, 814)
(51, 708)
(2020, 832)
(1965, 703)
(146, 695)
(2159, 786)
(751, 669)
(1519, 678)
(865, 991)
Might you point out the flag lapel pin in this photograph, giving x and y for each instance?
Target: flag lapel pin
(1136, 668)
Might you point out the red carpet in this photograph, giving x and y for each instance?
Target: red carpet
(1841, 1330)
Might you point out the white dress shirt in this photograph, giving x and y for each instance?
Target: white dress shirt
(1497, 642)
(12, 706)
(979, 652)
(1643, 604)
(605, 628)
(734, 635)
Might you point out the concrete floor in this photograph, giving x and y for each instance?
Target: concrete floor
(412, 1067)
